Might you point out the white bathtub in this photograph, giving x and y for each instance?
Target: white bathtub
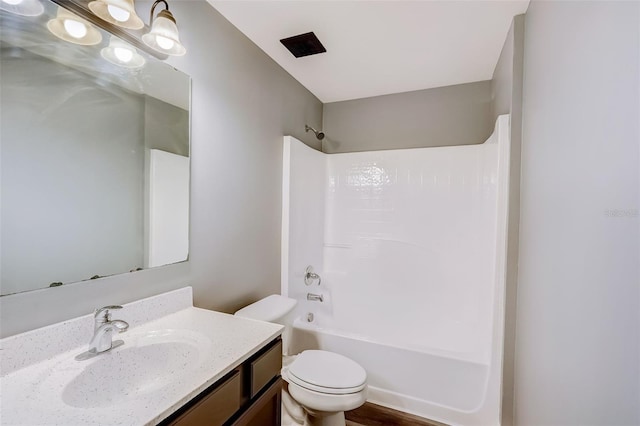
(440, 385)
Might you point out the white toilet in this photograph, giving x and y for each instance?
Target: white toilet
(324, 383)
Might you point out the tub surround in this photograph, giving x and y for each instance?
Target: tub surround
(38, 366)
(421, 233)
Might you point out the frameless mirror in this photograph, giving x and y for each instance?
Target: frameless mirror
(94, 153)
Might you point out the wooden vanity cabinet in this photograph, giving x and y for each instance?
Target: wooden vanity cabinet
(247, 396)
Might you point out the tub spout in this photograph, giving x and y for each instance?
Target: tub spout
(315, 297)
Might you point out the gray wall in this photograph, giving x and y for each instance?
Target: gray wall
(452, 115)
(578, 325)
(503, 75)
(166, 127)
(242, 105)
(506, 89)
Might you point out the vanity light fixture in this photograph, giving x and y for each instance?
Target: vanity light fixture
(72, 28)
(117, 12)
(163, 36)
(122, 54)
(22, 7)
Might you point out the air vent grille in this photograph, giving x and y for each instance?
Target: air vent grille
(303, 45)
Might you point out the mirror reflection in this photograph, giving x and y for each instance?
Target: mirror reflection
(94, 156)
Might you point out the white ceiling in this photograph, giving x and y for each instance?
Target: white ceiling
(379, 47)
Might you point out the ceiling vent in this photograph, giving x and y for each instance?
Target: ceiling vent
(303, 45)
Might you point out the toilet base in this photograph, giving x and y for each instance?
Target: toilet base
(311, 419)
(292, 413)
(326, 419)
(328, 409)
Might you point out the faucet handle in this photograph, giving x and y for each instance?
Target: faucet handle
(103, 314)
(120, 326)
(310, 276)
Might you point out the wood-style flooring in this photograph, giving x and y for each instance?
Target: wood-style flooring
(377, 415)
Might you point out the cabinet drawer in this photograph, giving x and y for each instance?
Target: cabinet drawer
(215, 408)
(264, 368)
(265, 410)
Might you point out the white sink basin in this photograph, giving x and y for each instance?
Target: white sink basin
(147, 363)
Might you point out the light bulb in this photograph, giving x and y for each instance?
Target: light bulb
(75, 29)
(118, 13)
(123, 54)
(12, 2)
(164, 43)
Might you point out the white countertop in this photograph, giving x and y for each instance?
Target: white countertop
(38, 394)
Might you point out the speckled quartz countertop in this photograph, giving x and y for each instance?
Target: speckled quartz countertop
(184, 349)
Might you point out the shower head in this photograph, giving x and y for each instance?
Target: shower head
(318, 134)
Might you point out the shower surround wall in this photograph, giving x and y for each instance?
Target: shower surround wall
(410, 245)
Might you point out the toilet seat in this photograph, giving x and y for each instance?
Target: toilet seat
(327, 372)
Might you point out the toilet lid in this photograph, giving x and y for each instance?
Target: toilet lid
(327, 372)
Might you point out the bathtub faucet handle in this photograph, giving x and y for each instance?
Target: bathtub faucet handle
(315, 297)
(310, 276)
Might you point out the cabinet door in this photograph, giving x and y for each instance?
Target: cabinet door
(265, 411)
(265, 368)
(217, 407)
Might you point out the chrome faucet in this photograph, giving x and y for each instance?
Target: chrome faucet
(315, 297)
(103, 330)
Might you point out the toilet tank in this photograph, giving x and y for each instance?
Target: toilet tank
(274, 308)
